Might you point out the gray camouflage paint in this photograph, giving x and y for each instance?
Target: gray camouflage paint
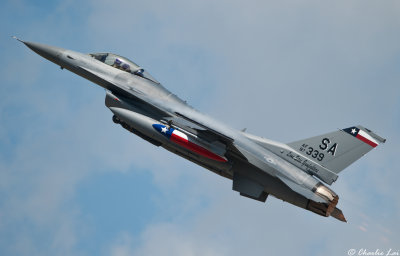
(257, 166)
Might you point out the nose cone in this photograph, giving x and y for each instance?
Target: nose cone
(51, 53)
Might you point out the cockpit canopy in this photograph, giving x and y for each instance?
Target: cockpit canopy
(123, 64)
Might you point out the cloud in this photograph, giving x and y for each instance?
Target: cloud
(289, 73)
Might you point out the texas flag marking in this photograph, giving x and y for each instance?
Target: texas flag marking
(183, 140)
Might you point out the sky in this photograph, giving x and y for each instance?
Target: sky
(74, 183)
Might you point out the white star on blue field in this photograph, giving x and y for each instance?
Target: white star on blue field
(74, 183)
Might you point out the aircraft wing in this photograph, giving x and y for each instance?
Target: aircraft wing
(180, 120)
(176, 119)
(207, 134)
(202, 131)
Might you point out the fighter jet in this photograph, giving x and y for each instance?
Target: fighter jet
(298, 172)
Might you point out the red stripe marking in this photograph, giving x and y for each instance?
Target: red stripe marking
(371, 143)
(196, 148)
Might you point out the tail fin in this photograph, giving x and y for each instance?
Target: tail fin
(337, 150)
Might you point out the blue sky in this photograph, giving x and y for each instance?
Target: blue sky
(74, 183)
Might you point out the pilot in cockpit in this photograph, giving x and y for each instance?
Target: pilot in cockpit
(123, 64)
